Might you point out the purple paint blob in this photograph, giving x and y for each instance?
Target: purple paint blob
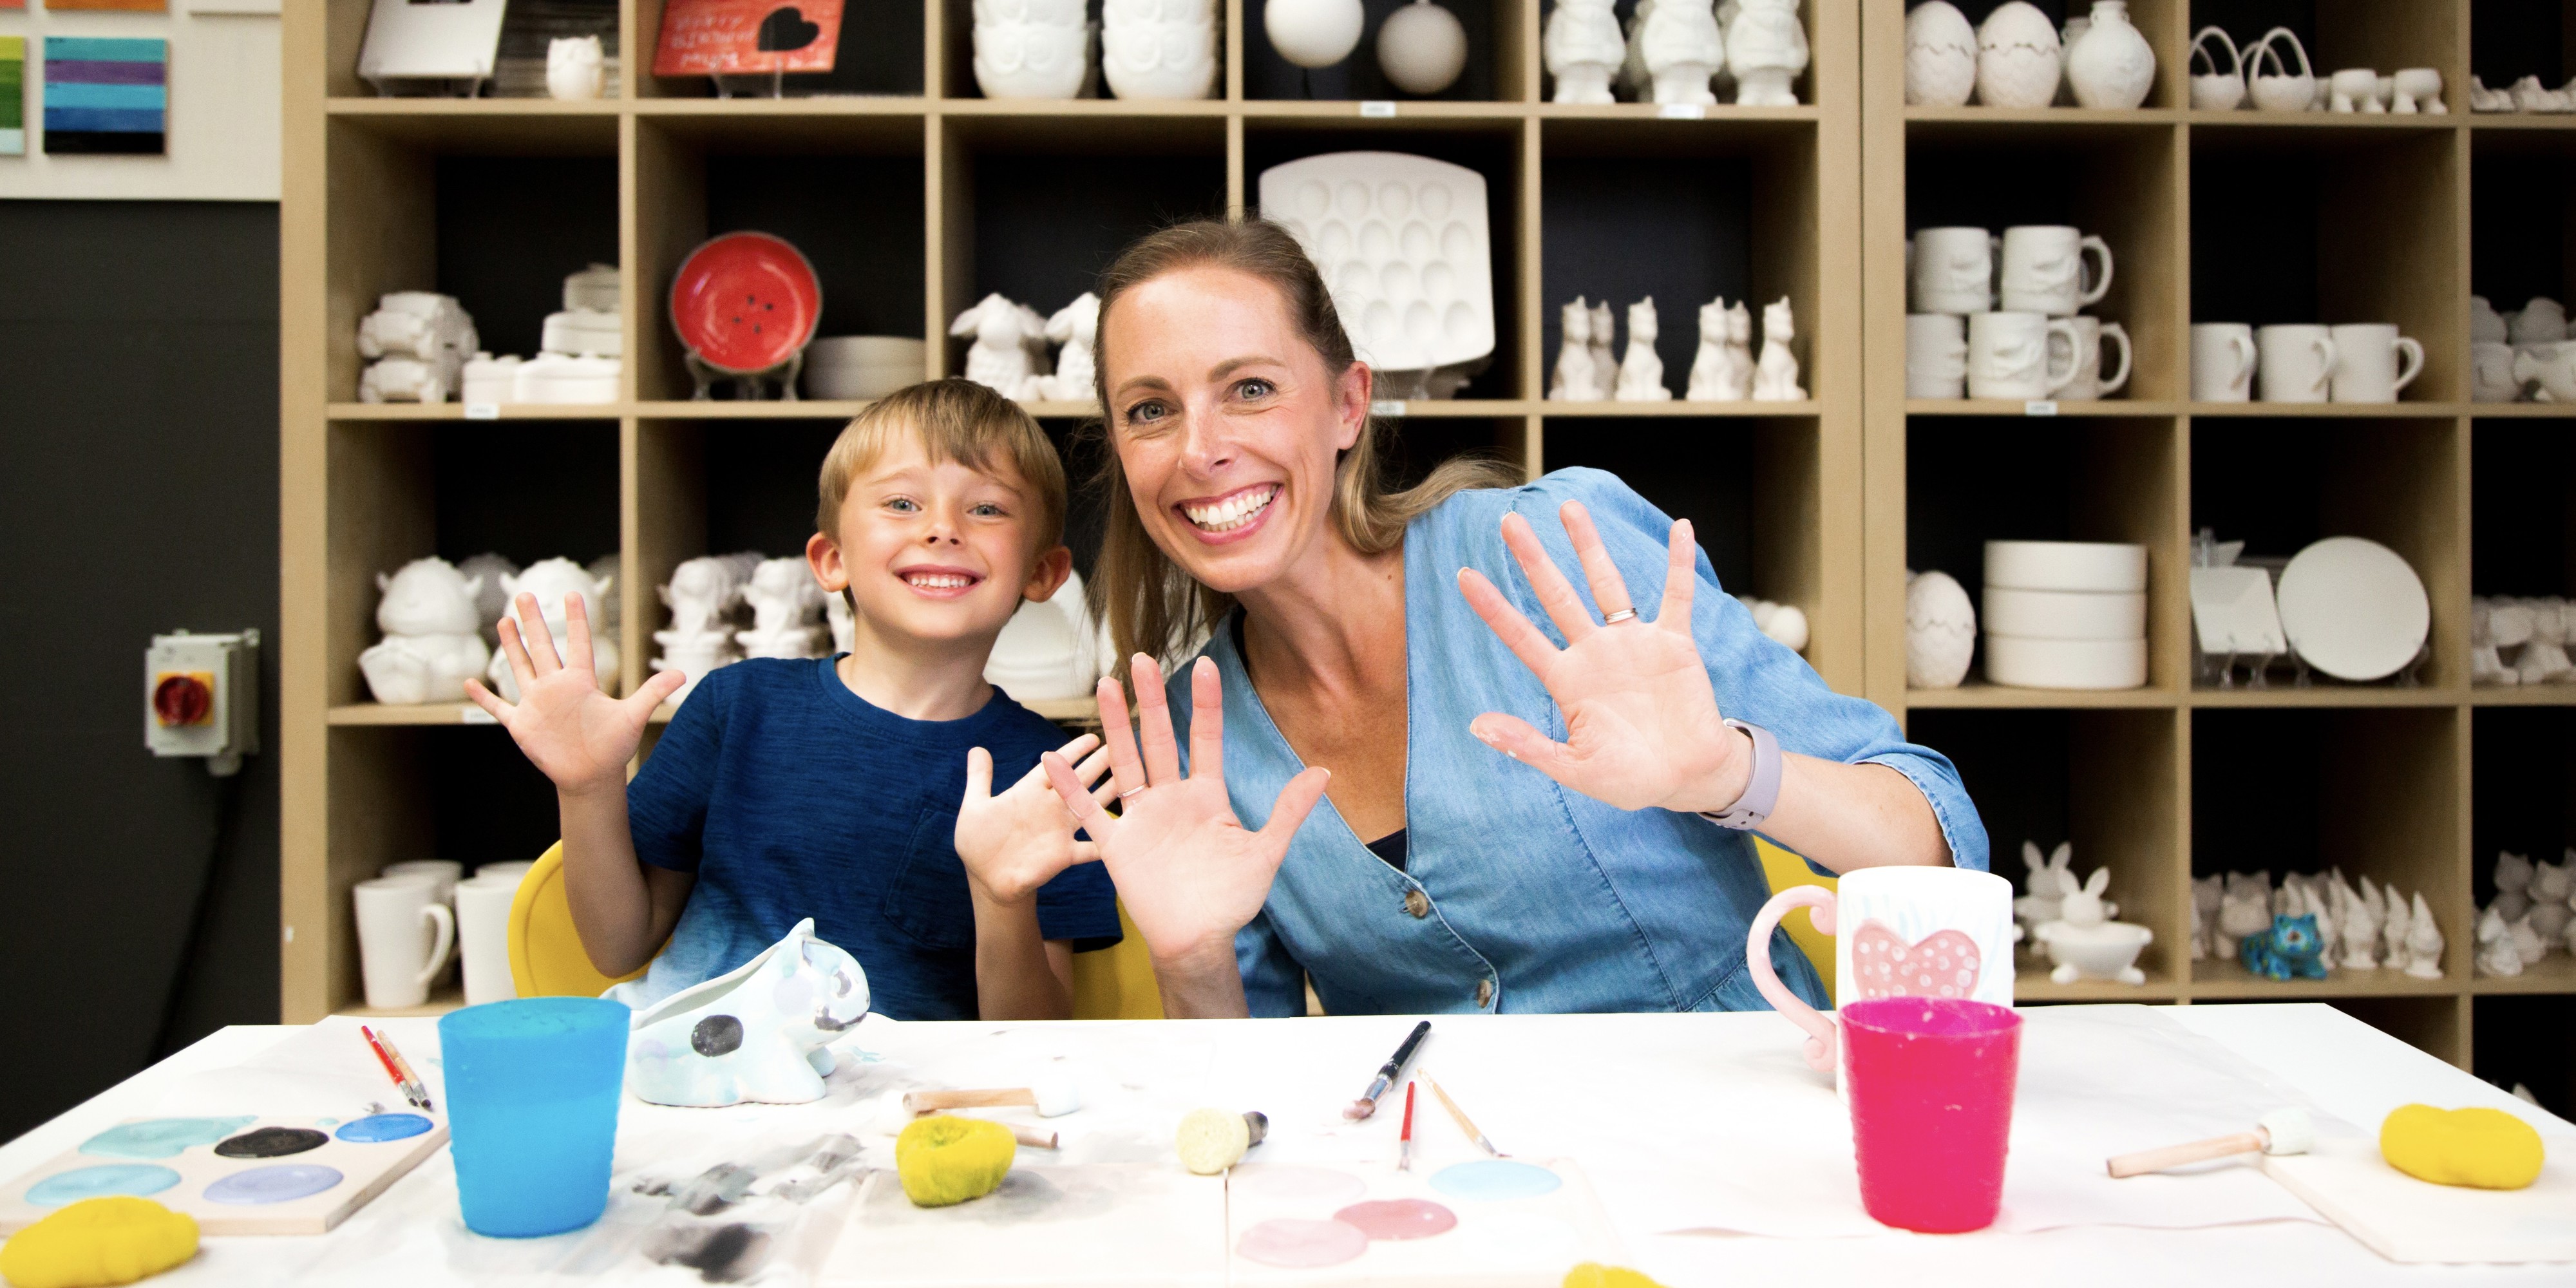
(1399, 1218)
(1302, 1244)
(279, 1183)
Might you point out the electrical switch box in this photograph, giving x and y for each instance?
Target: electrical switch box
(201, 698)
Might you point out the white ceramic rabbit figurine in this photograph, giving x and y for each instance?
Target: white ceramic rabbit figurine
(1575, 379)
(2423, 942)
(2496, 954)
(2048, 880)
(2086, 942)
(1641, 372)
(1776, 379)
(1074, 326)
(2083, 905)
(1000, 357)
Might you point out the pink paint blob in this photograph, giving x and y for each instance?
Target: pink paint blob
(1399, 1218)
(1302, 1244)
(1291, 1183)
(1931, 1087)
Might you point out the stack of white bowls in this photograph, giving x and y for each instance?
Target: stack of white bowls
(2066, 614)
(863, 366)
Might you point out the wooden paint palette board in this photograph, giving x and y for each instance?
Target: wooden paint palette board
(1484, 1223)
(235, 1175)
(2404, 1219)
(1142, 1224)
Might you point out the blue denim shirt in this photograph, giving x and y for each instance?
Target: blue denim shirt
(1558, 901)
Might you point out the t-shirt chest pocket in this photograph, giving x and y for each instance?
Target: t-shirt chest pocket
(927, 899)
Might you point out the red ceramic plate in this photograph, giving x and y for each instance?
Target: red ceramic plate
(745, 302)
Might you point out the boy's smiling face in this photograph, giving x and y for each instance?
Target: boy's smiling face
(936, 550)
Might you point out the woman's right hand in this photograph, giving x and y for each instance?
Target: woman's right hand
(576, 735)
(1189, 872)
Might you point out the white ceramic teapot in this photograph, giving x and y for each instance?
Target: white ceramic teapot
(2216, 90)
(2283, 90)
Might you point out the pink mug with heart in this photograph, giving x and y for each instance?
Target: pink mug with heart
(1898, 932)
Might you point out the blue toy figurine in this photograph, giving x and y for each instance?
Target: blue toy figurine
(2290, 949)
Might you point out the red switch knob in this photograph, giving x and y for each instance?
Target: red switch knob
(183, 699)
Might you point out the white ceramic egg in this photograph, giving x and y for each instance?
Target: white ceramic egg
(2018, 58)
(1940, 56)
(1940, 631)
(1314, 33)
(1422, 48)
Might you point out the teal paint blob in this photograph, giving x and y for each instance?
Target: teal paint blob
(378, 1128)
(160, 1137)
(1494, 1180)
(278, 1183)
(132, 1179)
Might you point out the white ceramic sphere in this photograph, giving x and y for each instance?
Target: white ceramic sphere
(1940, 56)
(1422, 47)
(1940, 631)
(2018, 58)
(1314, 33)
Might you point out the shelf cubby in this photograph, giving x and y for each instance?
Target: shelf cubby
(2522, 503)
(2380, 34)
(2530, 1042)
(2511, 39)
(2522, 795)
(2521, 220)
(1758, 518)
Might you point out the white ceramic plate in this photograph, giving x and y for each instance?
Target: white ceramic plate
(2354, 609)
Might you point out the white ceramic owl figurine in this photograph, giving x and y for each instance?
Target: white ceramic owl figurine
(1683, 49)
(576, 68)
(1158, 49)
(552, 581)
(1641, 373)
(1940, 56)
(1576, 379)
(1776, 378)
(1582, 48)
(1940, 631)
(1766, 48)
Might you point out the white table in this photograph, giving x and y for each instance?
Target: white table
(2347, 1068)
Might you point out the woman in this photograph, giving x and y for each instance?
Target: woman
(1519, 818)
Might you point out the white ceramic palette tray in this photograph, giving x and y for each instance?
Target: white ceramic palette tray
(1403, 245)
(1142, 1224)
(235, 1175)
(1489, 1223)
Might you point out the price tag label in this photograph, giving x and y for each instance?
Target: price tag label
(1386, 407)
(473, 714)
(1377, 107)
(2040, 407)
(482, 411)
(1683, 112)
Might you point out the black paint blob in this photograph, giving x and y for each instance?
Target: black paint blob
(716, 1035)
(271, 1142)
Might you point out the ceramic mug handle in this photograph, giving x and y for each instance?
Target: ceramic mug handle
(2113, 330)
(2244, 370)
(1822, 1037)
(2074, 355)
(2327, 357)
(446, 920)
(2409, 347)
(2102, 285)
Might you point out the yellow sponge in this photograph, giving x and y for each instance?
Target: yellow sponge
(99, 1242)
(944, 1159)
(2488, 1149)
(1592, 1274)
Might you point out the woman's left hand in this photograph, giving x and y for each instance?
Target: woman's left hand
(1641, 720)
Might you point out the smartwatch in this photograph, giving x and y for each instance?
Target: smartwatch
(1761, 791)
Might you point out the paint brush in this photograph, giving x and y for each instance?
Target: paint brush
(1386, 1074)
(1460, 1115)
(1404, 1147)
(397, 1068)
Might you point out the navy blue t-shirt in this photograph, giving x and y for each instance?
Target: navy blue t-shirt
(791, 797)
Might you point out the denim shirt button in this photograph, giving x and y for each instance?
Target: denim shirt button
(1484, 992)
(1417, 903)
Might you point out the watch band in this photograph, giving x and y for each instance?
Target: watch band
(1761, 791)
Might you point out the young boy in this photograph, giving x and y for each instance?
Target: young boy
(846, 790)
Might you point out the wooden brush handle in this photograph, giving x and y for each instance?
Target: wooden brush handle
(1032, 1137)
(2199, 1151)
(922, 1102)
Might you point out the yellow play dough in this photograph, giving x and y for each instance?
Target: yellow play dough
(1212, 1140)
(945, 1159)
(98, 1242)
(2488, 1149)
(1592, 1274)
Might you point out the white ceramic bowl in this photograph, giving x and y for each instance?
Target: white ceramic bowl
(2096, 952)
(862, 366)
(2097, 566)
(2066, 664)
(2065, 614)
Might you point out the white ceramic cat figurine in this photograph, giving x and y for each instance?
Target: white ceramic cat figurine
(2513, 873)
(2205, 895)
(999, 358)
(1683, 49)
(2527, 942)
(2245, 909)
(1723, 369)
(2423, 941)
(2496, 955)
(2393, 929)
(1641, 373)
(1075, 326)
(1582, 48)
(2360, 930)
(1575, 379)
(552, 581)
(2549, 914)
(2544, 659)
(431, 643)
(1776, 379)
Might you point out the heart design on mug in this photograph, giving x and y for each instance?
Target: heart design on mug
(786, 29)
(1944, 963)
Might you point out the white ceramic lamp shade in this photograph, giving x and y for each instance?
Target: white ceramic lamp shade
(1422, 47)
(1313, 33)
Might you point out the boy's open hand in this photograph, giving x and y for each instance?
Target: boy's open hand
(1015, 842)
(575, 734)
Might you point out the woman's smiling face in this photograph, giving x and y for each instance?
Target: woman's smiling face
(1226, 423)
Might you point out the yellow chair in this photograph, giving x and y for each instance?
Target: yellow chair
(1117, 983)
(546, 956)
(1785, 870)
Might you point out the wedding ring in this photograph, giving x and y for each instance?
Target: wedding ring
(1132, 791)
(1623, 615)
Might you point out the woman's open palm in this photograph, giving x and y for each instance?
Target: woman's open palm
(1641, 720)
(1190, 873)
(576, 735)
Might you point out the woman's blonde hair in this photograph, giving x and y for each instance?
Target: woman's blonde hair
(1151, 605)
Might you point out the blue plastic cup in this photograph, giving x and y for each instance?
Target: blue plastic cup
(532, 1092)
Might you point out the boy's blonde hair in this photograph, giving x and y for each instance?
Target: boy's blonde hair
(953, 420)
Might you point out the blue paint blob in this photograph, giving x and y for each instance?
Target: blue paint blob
(1494, 1180)
(132, 1179)
(160, 1137)
(277, 1183)
(378, 1128)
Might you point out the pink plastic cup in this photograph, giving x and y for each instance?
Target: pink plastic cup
(1931, 1088)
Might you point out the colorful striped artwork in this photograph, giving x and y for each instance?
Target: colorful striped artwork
(13, 96)
(106, 94)
(129, 6)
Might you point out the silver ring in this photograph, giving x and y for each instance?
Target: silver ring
(1623, 615)
(1132, 791)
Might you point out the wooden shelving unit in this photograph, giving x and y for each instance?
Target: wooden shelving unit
(2260, 217)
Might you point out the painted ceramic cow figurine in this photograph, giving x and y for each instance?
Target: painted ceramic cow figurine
(758, 1032)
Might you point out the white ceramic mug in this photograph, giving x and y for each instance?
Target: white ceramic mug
(2553, 365)
(2491, 373)
(2222, 362)
(404, 934)
(483, 937)
(2367, 366)
(1954, 270)
(2044, 270)
(1936, 356)
(2087, 337)
(447, 872)
(2011, 356)
(1898, 932)
(2296, 362)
